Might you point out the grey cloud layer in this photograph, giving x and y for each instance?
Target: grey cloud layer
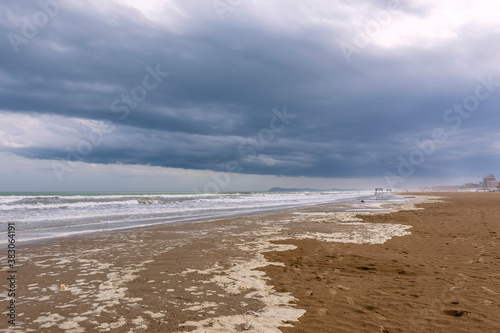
(225, 78)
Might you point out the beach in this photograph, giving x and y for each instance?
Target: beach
(426, 263)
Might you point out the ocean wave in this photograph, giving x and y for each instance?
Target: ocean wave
(56, 213)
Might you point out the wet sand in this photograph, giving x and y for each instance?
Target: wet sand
(445, 277)
(431, 270)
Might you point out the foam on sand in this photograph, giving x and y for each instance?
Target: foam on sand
(242, 277)
(362, 233)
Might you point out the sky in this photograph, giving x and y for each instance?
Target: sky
(245, 95)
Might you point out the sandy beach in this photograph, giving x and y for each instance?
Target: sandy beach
(383, 267)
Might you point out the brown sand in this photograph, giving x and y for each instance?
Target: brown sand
(445, 277)
(210, 276)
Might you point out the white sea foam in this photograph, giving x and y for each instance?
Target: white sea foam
(40, 217)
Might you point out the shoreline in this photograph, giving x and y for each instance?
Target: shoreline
(91, 233)
(200, 275)
(36, 236)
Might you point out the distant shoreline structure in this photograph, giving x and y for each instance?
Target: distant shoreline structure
(489, 184)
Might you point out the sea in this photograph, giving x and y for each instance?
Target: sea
(45, 216)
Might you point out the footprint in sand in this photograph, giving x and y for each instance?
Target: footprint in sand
(455, 313)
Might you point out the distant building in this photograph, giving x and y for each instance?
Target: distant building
(472, 185)
(490, 182)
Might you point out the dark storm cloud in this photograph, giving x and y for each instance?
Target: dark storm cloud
(224, 80)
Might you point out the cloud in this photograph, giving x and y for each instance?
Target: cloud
(225, 78)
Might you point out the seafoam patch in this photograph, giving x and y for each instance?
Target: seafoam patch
(266, 320)
(200, 306)
(278, 309)
(51, 319)
(362, 233)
